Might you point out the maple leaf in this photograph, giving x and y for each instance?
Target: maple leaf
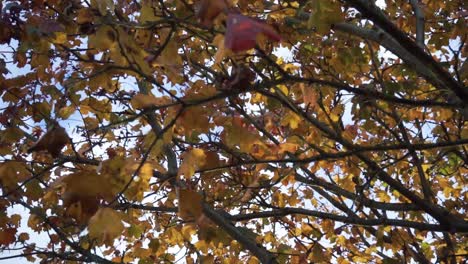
(193, 160)
(242, 32)
(53, 141)
(272, 141)
(81, 194)
(105, 225)
(7, 236)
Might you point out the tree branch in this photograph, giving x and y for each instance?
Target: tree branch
(386, 41)
(344, 219)
(418, 12)
(262, 254)
(372, 12)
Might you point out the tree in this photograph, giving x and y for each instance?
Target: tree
(228, 131)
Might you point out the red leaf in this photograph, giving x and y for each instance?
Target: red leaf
(242, 32)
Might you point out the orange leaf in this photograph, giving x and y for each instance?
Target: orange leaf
(7, 236)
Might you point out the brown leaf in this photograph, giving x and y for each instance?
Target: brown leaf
(82, 192)
(53, 141)
(241, 78)
(190, 204)
(208, 10)
(7, 236)
(106, 225)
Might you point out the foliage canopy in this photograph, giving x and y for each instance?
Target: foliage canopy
(231, 131)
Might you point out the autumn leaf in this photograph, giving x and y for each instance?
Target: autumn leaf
(11, 172)
(53, 141)
(196, 133)
(7, 236)
(192, 160)
(82, 193)
(324, 15)
(141, 101)
(242, 32)
(208, 10)
(190, 204)
(241, 78)
(105, 225)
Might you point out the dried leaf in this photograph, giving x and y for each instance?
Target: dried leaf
(7, 236)
(82, 193)
(241, 78)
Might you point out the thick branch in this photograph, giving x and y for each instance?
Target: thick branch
(439, 213)
(262, 254)
(426, 187)
(161, 209)
(344, 219)
(386, 41)
(372, 12)
(418, 12)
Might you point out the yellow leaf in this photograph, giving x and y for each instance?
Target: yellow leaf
(147, 13)
(288, 147)
(11, 172)
(188, 231)
(103, 6)
(66, 112)
(192, 160)
(202, 246)
(141, 101)
(11, 135)
(284, 89)
(318, 254)
(104, 38)
(334, 117)
(291, 119)
(60, 38)
(194, 120)
(82, 192)
(34, 222)
(324, 14)
(106, 225)
(84, 16)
